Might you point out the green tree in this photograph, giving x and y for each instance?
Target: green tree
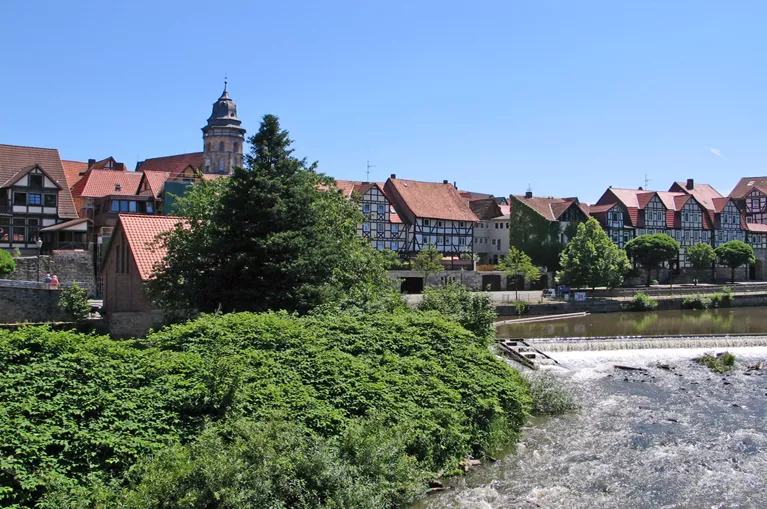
(536, 236)
(734, 254)
(701, 256)
(428, 261)
(517, 263)
(7, 263)
(269, 237)
(591, 259)
(473, 310)
(650, 251)
(73, 301)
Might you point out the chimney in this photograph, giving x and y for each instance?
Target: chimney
(690, 184)
(529, 194)
(444, 181)
(640, 188)
(455, 184)
(91, 162)
(393, 176)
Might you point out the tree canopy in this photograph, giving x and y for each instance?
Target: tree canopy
(734, 254)
(428, 261)
(650, 251)
(517, 263)
(7, 263)
(591, 259)
(701, 256)
(274, 235)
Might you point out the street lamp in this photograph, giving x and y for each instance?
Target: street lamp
(39, 245)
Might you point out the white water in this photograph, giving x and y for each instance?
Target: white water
(654, 439)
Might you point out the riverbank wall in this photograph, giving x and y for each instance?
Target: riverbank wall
(614, 305)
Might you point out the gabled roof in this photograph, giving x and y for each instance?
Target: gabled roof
(600, 209)
(14, 159)
(104, 165)
(156, 181)
(173, 164)
(721, 203)
(748, 184)
(485, 208)
(430, 199)
(73, 171)
(704, 193)
(98, 183)
(141, 232)
(552, 208)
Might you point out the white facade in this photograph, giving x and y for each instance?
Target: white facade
(491, 239)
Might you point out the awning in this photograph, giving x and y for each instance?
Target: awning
(76, 225)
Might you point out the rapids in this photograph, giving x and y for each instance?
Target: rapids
(683, 437)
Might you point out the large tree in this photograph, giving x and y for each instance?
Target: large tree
(275, 235)
(591, 259)
(734, 254)
(651, 251)
(701, 256)
(516, 263)
(429, 261)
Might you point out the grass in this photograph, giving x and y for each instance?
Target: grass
(720, 363)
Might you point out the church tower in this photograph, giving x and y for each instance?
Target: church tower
(223, 137)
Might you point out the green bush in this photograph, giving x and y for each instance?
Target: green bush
(696, 302)
(550, 396)
(473, 310)
(7, 263)
(521, 307)
(721, 363)
(73, 301)
(319, 411)
(727, 297)
(642, 302)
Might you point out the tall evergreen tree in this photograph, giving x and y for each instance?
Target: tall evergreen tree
(275, 235)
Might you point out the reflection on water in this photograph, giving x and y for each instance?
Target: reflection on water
(719, 321)
(675, 438)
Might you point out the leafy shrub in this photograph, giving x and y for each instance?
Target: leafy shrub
(696, 302)
(550, 396)
(7, 263)
(521, 307)
(474, 311)
(343, 407)
(16, 252)
(655, 281)
(727, 297)
(73, 301)
(721, 363)
(642, 302)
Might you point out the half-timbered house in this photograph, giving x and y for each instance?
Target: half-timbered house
(750, 195)
(436, 214)
(381, 223)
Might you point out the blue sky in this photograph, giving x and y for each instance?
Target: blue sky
(567, 97)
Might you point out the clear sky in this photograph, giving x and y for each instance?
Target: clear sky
(568, 97)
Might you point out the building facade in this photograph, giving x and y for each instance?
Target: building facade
(491, 231)
(381, 223)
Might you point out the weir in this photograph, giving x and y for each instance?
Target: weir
(645, 342)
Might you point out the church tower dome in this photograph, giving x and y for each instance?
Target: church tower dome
(223, 137)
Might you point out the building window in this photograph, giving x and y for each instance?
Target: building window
(507, 226)
(439, 223)
(19, 198)
(496, 225)
(132, 206)
(426, 222)
(35, 199)
(460, 224)
(235, 147)
(19, 233)
(35, 181)
(221, 147)
(462, 240)
(365, 227)
(394, 228)
(50, 200)
(380, 246)
(149, 208)
(366, 207)
(221, 166)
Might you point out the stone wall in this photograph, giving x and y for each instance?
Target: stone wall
(133, 324)
(29, 305)
(69, 266)
(470, 278)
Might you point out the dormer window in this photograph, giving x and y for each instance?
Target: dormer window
(118, 187)
(35, 181)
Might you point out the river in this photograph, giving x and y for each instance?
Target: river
(679, 436)
(688, 322)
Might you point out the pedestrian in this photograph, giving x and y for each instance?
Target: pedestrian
(54, 281)
(47, 279)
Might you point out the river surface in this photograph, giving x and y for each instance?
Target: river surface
(683, 437)
(688, 322)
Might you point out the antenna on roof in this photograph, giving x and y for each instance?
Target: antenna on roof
(367, 178)
(647, 182)
(225, 82)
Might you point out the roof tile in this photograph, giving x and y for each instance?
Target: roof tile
(141, 232)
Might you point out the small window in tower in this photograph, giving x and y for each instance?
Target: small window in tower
(221, 166)
(221, 147)
(235, 147)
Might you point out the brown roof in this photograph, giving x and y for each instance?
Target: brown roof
(141, 231)
(720, 203)
(98, 183)
(485, 208)
(748, 184)
(551, 208)
(431, 199)
(598, 209)
(14, 159)
(73, 171)
(704, 193)
(173, 164)
(156, 181)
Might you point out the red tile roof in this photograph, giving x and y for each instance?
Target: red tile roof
(173, 164)
(73, 171)
(748, 184)
(704, 193)
(598, 209)
(756, 227)
(98, 183)
(14, 159)
(551, 208)
(141, 232)
(720, 203)
(431, 199)
(156, 181)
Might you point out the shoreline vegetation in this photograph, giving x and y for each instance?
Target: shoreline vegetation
(255, 410)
